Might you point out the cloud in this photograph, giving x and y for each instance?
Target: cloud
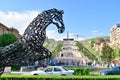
(53, 34)
(96, 32)
(101, 33)
(18, 20)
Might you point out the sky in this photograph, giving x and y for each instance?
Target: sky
(86, 18)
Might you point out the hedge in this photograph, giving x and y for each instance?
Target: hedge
(81, 71)
(21, 77)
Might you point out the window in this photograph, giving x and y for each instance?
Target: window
(48, 70)
(62, 55)
(57, 69)
(3, 30)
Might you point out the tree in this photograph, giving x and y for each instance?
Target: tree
(92, 43)
(107, 53)
(117, 52)
(7, 39)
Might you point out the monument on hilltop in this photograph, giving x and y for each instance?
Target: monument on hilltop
(68, 38)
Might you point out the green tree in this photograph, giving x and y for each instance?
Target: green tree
(117, 52)
(92, 43)
(7, 38)
(107, 53)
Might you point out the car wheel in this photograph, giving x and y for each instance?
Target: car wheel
(109, 74)
(35, 74)
(63, 75)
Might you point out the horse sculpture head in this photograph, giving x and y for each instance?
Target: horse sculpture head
(57, 19)
(53, 16)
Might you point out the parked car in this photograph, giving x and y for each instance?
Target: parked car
(53, 70)
(113, 71)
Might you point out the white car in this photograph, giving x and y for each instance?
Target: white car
(53, 70)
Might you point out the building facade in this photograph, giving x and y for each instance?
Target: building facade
(115, 36)
(5, 29)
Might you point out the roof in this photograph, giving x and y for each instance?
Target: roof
(3, 25)
(11, 30)
(115, 26)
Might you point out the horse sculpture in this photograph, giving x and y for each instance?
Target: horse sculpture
(31, 43)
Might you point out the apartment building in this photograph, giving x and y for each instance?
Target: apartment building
(5, 29)
(98, 45)
(115, 36)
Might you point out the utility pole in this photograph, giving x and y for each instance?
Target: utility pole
(67, 35)
(77, 36)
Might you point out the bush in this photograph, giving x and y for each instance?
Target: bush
(15, 67)
(81, 71)
(7, 39)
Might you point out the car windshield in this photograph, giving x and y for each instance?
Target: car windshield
(65, 69)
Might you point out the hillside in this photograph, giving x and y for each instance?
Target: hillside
(88, 43)
(97, 38)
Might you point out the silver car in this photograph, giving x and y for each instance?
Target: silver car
(53, 70)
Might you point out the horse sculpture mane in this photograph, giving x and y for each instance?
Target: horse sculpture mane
(32, 40)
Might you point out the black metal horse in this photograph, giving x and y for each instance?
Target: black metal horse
(32, 40)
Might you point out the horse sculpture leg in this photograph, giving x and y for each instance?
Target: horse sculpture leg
(2, 67)
(44, 53)
(1, 70)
